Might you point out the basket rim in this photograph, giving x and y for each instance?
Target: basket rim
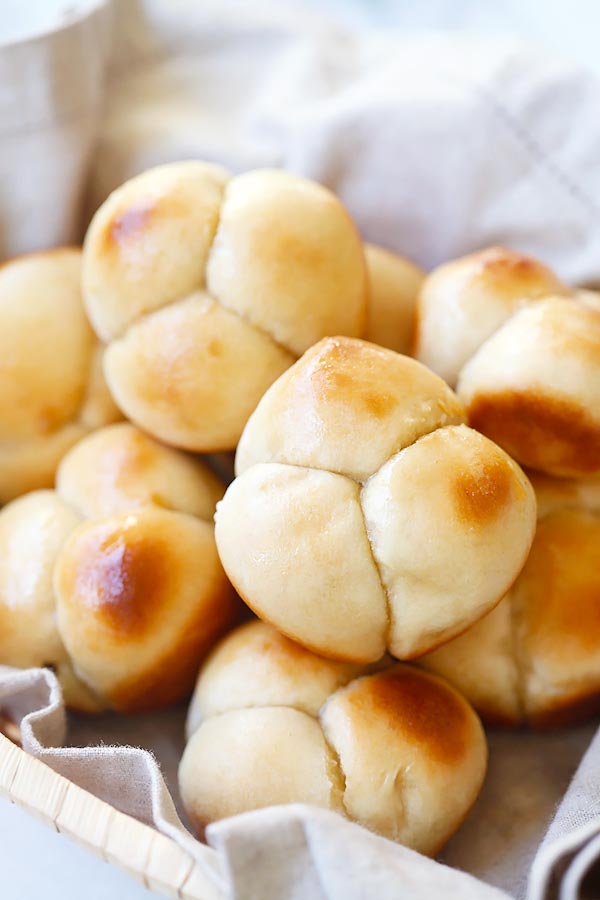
(152, 858)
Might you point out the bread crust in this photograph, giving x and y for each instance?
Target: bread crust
(207, 287)
(396, 750)
(534, 660)
(51, 388)
(366, 516)
(524, 354)
(114, 578)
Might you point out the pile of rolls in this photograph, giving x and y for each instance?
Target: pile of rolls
(414, 518)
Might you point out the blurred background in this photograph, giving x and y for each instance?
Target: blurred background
(444, 125)
(569, 27)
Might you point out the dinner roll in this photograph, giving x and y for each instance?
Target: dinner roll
(113, 579)
(206, 287)
(33, 529)
(394, 284)
(524, 355)
(463, 302)
(365, 516)
(51, 387)
(534, 387)
(536, 657)
(398, 750)
(119, 469)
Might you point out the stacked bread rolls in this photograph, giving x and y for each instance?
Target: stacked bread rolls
(375, 511)
(524, 354)
(272, 723)
(113, 579)
(52, 391)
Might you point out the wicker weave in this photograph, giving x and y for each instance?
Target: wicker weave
(148, 856)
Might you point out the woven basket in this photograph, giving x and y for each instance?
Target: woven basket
(150, 857)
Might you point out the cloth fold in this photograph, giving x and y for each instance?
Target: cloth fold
(293, 852)
(284, 853)
(51, 91)
(571, 845)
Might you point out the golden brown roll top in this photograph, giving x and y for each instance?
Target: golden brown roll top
(365, 517)
(123, 581)
(51, 388)
(524, 353)
(140, 599)
(412, 753)
(536, 657)
(463, 302)
(394, 284)
(398, 751)
(207, 287)
(148, 243)
(119, 469)
(346, 406)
